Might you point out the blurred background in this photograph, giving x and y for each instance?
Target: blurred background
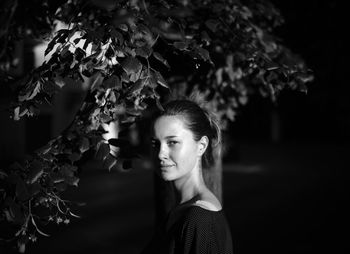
(284, 164)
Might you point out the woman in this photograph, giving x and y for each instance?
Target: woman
(184, 136)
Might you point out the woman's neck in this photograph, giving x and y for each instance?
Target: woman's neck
(190, 185)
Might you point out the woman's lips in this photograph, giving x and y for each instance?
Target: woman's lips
(164, 167)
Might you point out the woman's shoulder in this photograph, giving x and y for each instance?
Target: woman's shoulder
(208, 205)
(207, 200)
(202, 209)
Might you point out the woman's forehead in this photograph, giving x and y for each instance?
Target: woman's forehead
(166, 126)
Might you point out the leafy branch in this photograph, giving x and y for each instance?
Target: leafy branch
(127, 52)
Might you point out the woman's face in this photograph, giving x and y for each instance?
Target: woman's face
(177, 151)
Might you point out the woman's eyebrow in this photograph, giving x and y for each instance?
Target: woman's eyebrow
(167, 137)
(173, 136)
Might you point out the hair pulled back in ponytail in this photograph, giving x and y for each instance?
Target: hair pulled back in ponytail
(199, 121)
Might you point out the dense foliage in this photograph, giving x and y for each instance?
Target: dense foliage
(131, 53)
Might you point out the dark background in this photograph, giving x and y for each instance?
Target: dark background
(316, 31)
(282, 194)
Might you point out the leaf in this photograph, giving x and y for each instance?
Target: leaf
(109, 162)
(118, 142)
(102, 66)
(302, 88)
(105, 118)
(50, 46)
(136, 88)
(204, 54)
(50, 88)
(65, 52)
(95, 113)
(128, 119)
(113, 97)
(86, 43)
(61, 34)
(59, 37)
(79, 54)
(212, 25)
(102, 151)
(97, 81)
(152, 83)
(68, 170)
(57, 178)
(160, 58)
(131, 65)
(135, 76)
(112, 82)
(144, 52)
(123, 27)
(16, 116)
(243, 99)
(84, 145)
(180, 45)
(118, 36)
(76, 40)
(305, 77)
(118, 110)
(33, 111)
(8, 215)
(159, 105)
(160, 79)
(35, 171)
(44, 149)
(73, 181)
(47, 157)
(271, 66)
(125, 78)
(59, 81)
(62, 186)
(205, 37)
(30, 92)
(133, 112)
(3, 174)
(230, 114)
(70, 136)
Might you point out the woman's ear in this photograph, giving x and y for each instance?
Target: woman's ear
(203, 144)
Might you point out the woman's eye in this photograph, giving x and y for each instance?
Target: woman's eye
(171, 143)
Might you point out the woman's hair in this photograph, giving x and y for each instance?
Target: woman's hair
(199, 121)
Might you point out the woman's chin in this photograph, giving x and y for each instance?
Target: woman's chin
(165, 176)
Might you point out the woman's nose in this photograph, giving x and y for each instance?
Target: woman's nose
(163, 152)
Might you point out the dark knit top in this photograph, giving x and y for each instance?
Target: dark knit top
(193, 230)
